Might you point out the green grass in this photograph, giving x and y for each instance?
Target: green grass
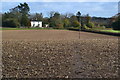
(22, 28)
(105, 30)
(113, 31)
(29, 29)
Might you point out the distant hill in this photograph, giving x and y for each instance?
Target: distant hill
(116, 15)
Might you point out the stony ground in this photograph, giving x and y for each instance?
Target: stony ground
(53, 53)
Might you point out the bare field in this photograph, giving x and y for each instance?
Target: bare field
(59, 53)
(51, 35)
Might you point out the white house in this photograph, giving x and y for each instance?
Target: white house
(46, 25)
(36, 24)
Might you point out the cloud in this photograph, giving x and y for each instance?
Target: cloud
(60, 0)
(105, 9)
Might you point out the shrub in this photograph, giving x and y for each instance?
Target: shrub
(59, 26)
(99, 28)
(103, 27)
(76, 24)
(90, 25)
(84, 27)
(66, 23)
(116, 25)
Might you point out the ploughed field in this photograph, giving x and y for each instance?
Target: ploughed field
(58, 54)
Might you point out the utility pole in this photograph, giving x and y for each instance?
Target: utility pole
(79, 19)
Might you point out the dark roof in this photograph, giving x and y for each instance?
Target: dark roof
(36, 21)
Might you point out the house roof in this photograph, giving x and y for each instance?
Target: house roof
(36, 21)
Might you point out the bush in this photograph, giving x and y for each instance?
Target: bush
(84, 27)
(90, 25)
(59, 26)
(76, 24)
(99, 28)
(116, 25)
(66, 23)
(10, 23)
(103, 27)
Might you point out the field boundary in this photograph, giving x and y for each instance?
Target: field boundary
(101, 32)
(98, 32)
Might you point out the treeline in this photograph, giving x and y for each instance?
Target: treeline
(20, 17)
(16, 17)
(116, 23)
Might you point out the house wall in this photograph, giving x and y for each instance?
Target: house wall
(36, 24)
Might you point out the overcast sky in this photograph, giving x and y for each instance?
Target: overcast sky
(99, 9)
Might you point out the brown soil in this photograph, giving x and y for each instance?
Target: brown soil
(59, 53)
(51, 35)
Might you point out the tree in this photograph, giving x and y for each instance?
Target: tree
(24, 9)
(87, 21)
(22, 12)
(10, 22)
(84, 27)
(88, 18)
(58, 24)
(66, 22)
(45, 21)
(24, 20)
(19, 14)
(78, 16)
(56, 21)
(68, 15)
(57, 15)
(90, 25)
(36, 16)
(52, 22)
(51, 14)
(116, 24)
(72, 19)
(76, 24)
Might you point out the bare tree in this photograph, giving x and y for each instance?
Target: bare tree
(51, 14)
(68, 15)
